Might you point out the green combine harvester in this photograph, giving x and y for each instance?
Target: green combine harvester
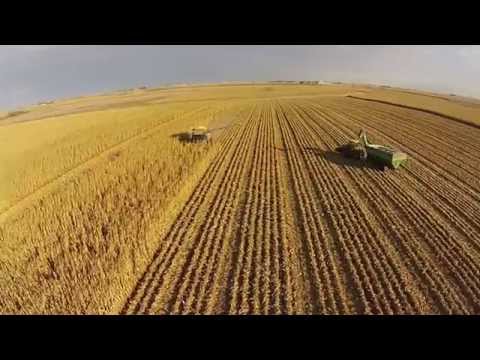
(199, 134)
(362, 149)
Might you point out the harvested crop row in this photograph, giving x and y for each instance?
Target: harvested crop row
(444, 136)
(419, 168)
(458, 154)
(452, 155)
(458, 216)
(420, 163)
(263, 278)
(205, 261)
(454, 171)
(246, 282)
(443, 129)
(380, 264)
(385, 205)
(289, 292)
(460, 168)
(271, 256)
(294, 272)
(439, 240)
(414, 168)
(266, 280)
(264, 219)
(326, 284)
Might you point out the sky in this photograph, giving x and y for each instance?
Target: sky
(33, 73)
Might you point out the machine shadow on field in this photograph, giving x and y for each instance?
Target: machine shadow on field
(338, 159)
(183, 137)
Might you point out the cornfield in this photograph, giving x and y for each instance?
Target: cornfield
(115, 215)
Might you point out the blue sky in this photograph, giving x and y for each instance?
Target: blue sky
(32, 73)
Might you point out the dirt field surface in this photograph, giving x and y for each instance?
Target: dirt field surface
(266, 219)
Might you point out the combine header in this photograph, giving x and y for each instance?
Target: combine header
(362, 149)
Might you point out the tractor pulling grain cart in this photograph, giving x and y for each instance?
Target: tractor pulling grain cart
(362, 149)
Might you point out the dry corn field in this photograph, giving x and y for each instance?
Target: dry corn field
(119, 216)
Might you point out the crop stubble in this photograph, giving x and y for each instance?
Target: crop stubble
(276, 226)
(278, 223)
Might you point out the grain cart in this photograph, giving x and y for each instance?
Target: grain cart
(199, 134)
(361, 149)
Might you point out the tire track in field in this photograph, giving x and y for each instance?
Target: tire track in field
(383, 203)
(52, 184)
(143, 294)
(436, 237)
